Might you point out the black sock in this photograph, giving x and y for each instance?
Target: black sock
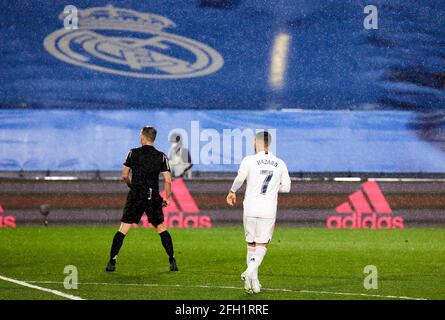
(116, 246)
(167, 242)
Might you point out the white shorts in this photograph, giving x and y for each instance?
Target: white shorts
(258, 230)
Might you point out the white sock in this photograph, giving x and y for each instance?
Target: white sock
(250, 253)
(255, 261)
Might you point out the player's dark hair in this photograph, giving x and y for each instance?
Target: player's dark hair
(149, 133)
(264, 137)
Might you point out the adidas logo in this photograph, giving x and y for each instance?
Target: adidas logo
(366, 208)
(182, 211)
(6, 221)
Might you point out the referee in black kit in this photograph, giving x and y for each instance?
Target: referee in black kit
(145, 163)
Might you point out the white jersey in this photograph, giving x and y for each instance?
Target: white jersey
(266, 176)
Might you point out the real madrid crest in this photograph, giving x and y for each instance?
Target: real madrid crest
(131, 43)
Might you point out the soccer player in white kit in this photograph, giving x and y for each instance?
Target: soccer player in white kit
(266, 175)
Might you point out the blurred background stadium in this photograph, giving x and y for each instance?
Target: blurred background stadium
(345, 103)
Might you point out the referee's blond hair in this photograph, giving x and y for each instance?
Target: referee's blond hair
(149, 133)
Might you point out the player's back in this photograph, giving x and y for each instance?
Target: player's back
(266, 176)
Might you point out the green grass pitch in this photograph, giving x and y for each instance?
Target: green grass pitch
(302, 263)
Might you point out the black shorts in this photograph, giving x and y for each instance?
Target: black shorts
(139, 202)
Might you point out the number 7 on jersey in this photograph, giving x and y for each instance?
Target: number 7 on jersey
(269, 174)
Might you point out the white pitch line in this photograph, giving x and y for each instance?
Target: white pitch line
(26, 284)
(238, 288)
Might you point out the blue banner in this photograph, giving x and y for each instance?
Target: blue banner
(387, 141)
(256, 55)
(342, 85)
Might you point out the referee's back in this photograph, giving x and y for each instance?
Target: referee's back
(146, 164)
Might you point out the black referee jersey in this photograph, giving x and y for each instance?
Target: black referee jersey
(146, 164)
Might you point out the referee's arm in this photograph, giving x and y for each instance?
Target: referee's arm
(126, 176)
(165, 170)
(167, 186)
(127, 167)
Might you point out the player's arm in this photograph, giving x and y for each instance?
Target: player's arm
(237, 183)
(285, 181)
